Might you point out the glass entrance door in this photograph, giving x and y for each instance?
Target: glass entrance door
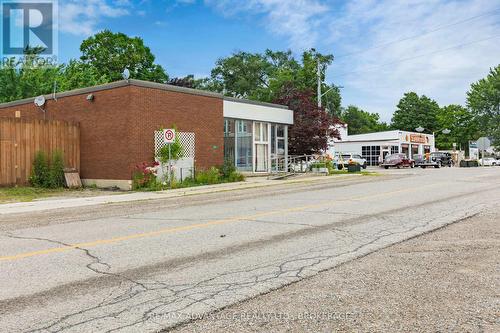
(278, 147)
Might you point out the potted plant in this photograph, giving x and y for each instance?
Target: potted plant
(353, 166)
(319, 167)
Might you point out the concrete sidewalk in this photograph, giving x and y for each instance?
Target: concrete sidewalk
(250, 183)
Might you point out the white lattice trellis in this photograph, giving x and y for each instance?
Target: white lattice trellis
(187, 140)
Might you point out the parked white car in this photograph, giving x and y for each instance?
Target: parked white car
(342, 160)
(488, 161)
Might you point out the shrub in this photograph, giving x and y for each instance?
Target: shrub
(40, 172)
(47, 175)
(210, 176)
(329, 166)
(235, 177)
(144, 176)
(317, 165)
(176, 150)
(56, 172)
(227, 169)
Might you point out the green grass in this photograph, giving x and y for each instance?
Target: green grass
(24, 194)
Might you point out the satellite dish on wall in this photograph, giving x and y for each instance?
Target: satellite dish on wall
(126, 74)
(40, 101)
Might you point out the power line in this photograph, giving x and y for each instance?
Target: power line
(441, 27)
(419, 56)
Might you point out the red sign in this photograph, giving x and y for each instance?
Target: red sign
(169, 135)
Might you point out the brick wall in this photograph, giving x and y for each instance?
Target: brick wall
(189, 113)
(117, 127)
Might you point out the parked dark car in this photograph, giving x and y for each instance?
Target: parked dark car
(397, 161)
(441, 158)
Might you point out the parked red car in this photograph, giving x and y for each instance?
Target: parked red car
(398, 161)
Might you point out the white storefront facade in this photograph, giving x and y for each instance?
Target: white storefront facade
(375, 146)
(255, 134)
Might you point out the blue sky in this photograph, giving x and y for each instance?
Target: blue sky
(384, 48)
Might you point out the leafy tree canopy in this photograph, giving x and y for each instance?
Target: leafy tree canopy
(483, 99)
(307, 135)
(110, 53)
(262, 76)
(20, 80)
(462, 124)
(360, 121)
(414, 111)
(104, 57)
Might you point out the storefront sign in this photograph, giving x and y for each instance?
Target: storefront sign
(418, 138)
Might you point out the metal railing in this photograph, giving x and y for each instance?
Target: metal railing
(292, 164)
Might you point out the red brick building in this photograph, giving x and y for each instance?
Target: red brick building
(118, 120)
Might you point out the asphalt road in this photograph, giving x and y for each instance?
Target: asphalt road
(443, 281)
(148, 266)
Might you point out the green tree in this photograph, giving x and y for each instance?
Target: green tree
(27, 78)
(332, 99)
(110, 53)
(312, 125)
(462, 124)
(262, 76)
(9, 80)
(77, 74)
(360, 121)
(252, 75)
(414, 111)
(483, 99)
(32, 77)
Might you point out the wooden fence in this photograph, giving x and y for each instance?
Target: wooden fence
(21, 139)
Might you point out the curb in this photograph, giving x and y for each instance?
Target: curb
(50, 204)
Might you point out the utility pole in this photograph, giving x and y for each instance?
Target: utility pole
(319, 84)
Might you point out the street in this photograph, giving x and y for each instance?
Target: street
(444, 281)
(148, 266)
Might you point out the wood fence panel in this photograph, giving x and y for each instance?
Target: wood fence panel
(21, 139)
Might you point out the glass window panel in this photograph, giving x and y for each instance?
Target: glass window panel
(281, 131)
(273, 139)
(265, 132)
(257, 132)
(229, 140)
(244, 146)
(261, 157)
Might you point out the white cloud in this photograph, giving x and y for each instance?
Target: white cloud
(372, 73)
(297, 20)
(444, 76)
(82, 17)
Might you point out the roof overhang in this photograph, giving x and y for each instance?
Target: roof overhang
(242, 109)
(149, 85)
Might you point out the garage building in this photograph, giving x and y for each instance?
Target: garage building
(375, 146)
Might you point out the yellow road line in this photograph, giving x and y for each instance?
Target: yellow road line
(202, 225)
